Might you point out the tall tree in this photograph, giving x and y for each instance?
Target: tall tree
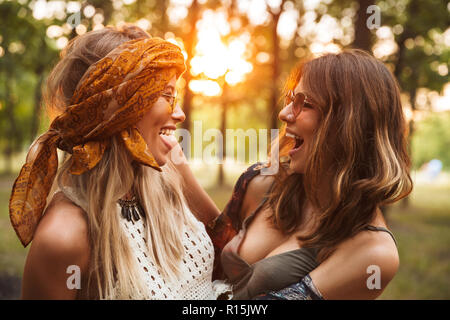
(190, 38)
(275, 14)
(363, 35)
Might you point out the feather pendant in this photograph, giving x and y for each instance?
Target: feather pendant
(135, 213)
(131, 210)
(124, 212)
(128, 213)
(140, 210)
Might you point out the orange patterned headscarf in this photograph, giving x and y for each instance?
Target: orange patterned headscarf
(112, 96)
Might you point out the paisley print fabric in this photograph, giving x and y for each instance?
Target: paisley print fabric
(303, 290)
(111, 97)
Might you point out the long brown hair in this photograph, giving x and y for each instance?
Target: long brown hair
(360, 142)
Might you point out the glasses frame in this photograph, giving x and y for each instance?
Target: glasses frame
(171, 102)
(298, 101)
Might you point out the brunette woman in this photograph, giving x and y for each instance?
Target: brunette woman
(315, 230)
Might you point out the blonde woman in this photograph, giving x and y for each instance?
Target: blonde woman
(114, 213)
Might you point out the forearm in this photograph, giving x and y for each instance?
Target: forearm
(198, 199)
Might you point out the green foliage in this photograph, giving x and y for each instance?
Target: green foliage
(422, 23)
(431, 140)
(12, 253)
(27, 56)
(422, 232)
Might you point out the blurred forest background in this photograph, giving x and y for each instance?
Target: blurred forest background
(239, 53)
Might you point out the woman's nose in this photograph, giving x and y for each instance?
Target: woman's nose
(286, 115)
(178, 114)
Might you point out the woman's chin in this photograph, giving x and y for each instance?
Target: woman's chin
(161, 158)
(296, 167)
(161, 161)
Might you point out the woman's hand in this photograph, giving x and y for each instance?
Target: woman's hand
(198, 200)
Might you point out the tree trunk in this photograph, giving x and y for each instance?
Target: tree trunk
(107, 9)
(362, 33)
(13, 136)
(412, 97)
(273, 108)
(36, 116)
(189, 46)
(223, 127)
(164, 21)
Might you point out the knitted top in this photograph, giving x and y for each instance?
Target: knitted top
(196, 265)
(195, 279)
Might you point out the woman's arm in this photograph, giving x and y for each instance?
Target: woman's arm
(360, 268)
(198, 200)
(60, 241)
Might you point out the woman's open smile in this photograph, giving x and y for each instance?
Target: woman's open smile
(302, 128)
(158, 124)
(298, 143)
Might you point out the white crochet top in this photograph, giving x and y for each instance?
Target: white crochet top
(195, 280)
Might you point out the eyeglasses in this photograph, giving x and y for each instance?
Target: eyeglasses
(298, 101)
(171, 99)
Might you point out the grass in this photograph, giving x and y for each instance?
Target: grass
(422, 232)
(12, 253)
(423, 236)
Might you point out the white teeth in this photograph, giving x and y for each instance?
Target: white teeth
(290, 135)
(166, 132)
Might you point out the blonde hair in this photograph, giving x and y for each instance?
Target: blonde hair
(113, 271)
(111, 265)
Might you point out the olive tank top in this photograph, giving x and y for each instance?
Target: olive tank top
(271, 273)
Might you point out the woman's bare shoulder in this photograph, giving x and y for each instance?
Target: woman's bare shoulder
(63, 228)
(60, 242)
(260, 184)
(365, 254)
(376, 246)
(256, 190)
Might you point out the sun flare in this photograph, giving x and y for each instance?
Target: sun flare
(216, 61)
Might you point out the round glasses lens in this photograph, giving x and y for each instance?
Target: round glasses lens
(299, 101)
